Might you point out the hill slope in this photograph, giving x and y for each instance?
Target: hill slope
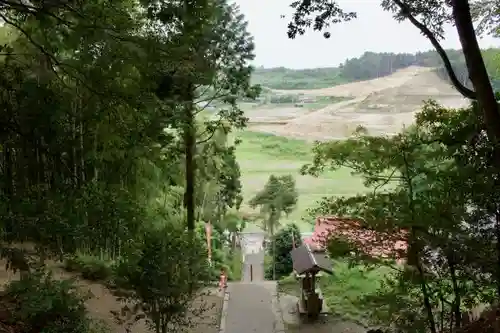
(382, 105)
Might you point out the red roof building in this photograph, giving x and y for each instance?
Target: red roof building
(370, 242)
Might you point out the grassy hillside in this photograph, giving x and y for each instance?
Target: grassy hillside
(285, 78)
(344, 290)
(369, 66)
(261, 155)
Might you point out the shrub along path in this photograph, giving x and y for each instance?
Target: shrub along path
(102, 302)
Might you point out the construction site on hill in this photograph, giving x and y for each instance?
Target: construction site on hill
(383, 106)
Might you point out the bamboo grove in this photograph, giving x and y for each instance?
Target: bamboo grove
(101, 126)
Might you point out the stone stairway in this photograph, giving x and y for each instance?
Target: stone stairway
(251, 306)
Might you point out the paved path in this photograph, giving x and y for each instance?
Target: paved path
(252, 305)
(253, 267)
(250, 309)
(253, 255)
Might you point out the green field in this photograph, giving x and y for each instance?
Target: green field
(261, 155)
(285, 78)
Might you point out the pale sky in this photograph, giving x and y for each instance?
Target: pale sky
(374, 30)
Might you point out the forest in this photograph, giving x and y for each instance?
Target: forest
(371, 65)
(110, 169)
(105, 163)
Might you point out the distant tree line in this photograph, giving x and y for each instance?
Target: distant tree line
(372, 65)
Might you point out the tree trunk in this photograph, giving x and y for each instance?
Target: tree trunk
(43, 162)
(426, 297)
(497, 236)
(190, 142)
(82, 151)
(274, 251)
(413, 243)
(456, 290)
(477, 71)
(9, 185)
(441, 314)
(272, 222)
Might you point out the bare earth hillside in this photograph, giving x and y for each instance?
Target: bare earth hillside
(382, 105)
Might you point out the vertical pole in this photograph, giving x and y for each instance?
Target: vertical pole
(251, 273)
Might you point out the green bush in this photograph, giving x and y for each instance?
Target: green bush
(92, 268)
(42, 304)
(161, 275)
(236, 264)
(221, 259)
(284, 245)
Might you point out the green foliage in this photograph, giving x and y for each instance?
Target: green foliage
(42, 304)
(261, 154)
(284, 78)
(429, 17)
(103, 162)
(279, 196)
(225, 254)
(91, 267)
(442, 199)
(276, 146)
(101, 104)
(283, 241)
(345, 291)
(219, 174)
(236, 265)
(161, 274)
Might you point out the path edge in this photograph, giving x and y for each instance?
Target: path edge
(279, 325)
(223, 317)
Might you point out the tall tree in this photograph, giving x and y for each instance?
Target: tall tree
(436, 202)
(91, 160)
(212, 65)
(279, 196)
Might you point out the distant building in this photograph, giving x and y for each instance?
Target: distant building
(369, 241)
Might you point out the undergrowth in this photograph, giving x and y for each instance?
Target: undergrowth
(40, 303)
(343, 290)
(93, 268)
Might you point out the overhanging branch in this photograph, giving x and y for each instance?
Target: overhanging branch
(466, 92)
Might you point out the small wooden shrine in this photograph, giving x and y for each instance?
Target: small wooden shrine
(308, 262)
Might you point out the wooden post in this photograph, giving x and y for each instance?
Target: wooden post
(251, 272)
